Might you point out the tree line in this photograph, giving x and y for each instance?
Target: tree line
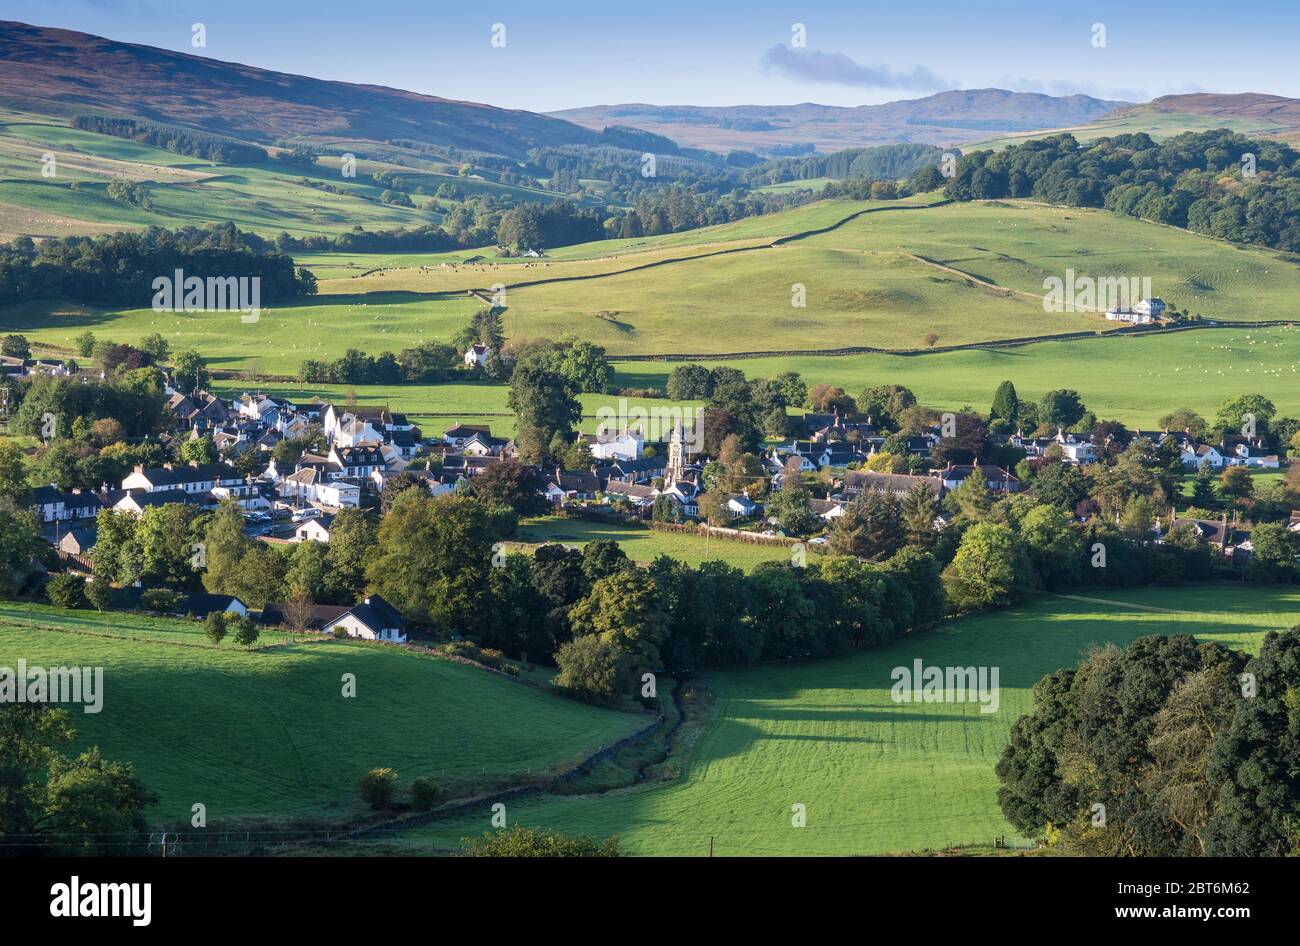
(120, 268)
(1220, 183)
(195, 144)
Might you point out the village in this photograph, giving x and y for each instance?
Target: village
(347, 454)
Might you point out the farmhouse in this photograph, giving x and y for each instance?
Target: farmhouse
(1144, 312)
(476, 354)
(374, 619)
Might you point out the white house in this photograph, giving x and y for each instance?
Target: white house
(1247, 455)
(1079, 452)
(311, 486)
(1204, 452)
(1141, 313)
(314, 530)
(476, 354)
(741, 506)
(625, 445)
(373, 620)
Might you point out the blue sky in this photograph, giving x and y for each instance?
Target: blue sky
(720, 52)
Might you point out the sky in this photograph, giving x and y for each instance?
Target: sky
(568, 53)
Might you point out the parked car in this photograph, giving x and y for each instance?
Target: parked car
(302, 515)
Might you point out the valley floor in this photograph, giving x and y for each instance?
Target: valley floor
(875, 776)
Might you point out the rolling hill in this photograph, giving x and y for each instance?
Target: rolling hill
(944, 118)
(63, 72)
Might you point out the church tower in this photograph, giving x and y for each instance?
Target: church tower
(676, 466)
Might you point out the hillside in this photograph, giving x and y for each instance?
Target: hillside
(1264, 116)
(944, 118)
(269, 733)
(64, 72)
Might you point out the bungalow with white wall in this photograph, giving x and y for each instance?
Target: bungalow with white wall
(374, 619)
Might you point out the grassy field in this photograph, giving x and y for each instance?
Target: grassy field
(1133, 379)
(967, 273)
(874, 775)
(268, 733)
(645, 545)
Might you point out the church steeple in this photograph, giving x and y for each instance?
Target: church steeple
(676, 465)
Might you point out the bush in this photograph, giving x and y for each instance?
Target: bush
(377, 788)
(159, 599)
(424, 794)
(532, 842)
(66, 590)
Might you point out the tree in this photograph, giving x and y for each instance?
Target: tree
(66, 590)
(100, 595)
(589, 669)
(57, 805)
(623, 608)
(713, 508)
(15, 346)
(511, 483)
(988, 569)
(352, 542)
(918, 510)
(298, 609)
(1203, 494)
(1060, 408)
(167, 537)
(973, 499)
(20, 546)
(870, 528)
(246, 633)
(791, 507)
(885, 403)
(1136, 731)
(393, 485)
(189, 372)
(85, 343)
(13, 473)
(200, 450)
(214, 627)
(666, 509)
(1184, 419)
(1055, 549)
(156, 347)
(1253, 761)
(1235, 483)
(919, 570)
(432, 559)
(1061, 485)
(690, 383)
(602, 558)
(378, 786)
(1246, 414)
(544, 404)
(1006, 405)
(1273, 559)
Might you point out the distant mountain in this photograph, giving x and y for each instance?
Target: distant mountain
(1282, 113)
(944, 118)
(61, 71)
